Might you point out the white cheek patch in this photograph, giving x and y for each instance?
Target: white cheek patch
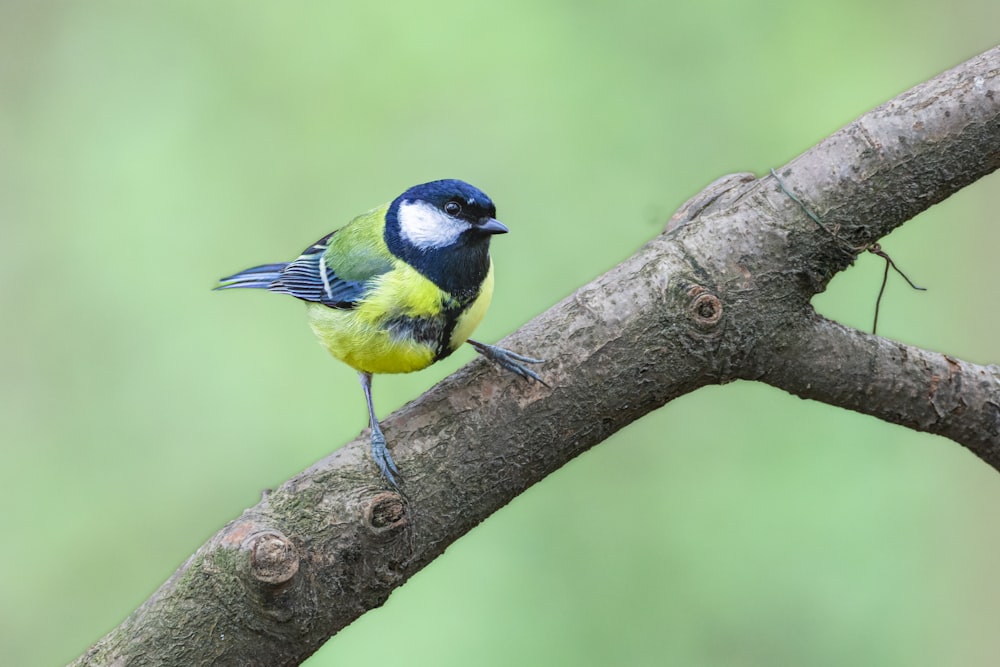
(426, 227)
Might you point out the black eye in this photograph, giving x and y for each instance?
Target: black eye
(453, 208)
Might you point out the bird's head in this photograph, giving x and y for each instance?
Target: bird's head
(443, 229)
(443, 214)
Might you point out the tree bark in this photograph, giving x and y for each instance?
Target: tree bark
(723, 294)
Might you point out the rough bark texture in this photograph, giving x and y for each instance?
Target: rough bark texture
(723, 294)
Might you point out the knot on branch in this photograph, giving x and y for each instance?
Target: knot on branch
(273, 558)
(385, 512)
(704, 309)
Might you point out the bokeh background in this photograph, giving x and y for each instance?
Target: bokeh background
(147, 148)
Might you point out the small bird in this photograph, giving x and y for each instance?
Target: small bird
(398, 288)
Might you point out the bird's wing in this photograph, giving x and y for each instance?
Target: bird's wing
(312, 278)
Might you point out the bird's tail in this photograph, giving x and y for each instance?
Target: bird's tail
(258, 277)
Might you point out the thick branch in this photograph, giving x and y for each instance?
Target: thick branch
(707, 302)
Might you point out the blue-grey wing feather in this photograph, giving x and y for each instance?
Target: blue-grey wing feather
(309, 278)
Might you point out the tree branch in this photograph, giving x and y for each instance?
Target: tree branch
(723, 294)
(900, 384)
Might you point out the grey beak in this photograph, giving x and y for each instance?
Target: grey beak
(493, 226)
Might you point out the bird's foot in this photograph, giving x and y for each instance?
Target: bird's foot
(383, 459)
(511, 361)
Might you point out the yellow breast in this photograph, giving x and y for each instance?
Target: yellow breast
(398, 327)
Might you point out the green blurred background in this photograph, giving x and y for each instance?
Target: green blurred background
(147, 148)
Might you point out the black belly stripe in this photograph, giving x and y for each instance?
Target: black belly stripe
(451, 316)
(434, 332)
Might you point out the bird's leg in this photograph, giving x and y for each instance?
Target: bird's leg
(383, 459)
(511, 361)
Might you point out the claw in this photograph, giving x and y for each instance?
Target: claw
(383, 459)
(508, 360)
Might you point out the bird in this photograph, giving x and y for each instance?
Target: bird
(398, 288)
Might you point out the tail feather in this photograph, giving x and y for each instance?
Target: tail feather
(257, 277)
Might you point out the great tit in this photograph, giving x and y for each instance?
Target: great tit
(398, 287)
